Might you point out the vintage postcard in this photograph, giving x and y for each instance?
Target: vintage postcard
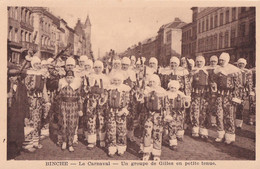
(127, 83)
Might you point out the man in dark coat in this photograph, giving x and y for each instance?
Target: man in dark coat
(17, 111)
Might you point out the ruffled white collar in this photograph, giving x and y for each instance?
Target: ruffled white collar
(74, 85)
(227, 69)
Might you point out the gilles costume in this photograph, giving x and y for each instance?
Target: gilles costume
(228, 81)
(212, 96)
(199, 100)
(130, 80)
(176, 102)
(38, 98)
(70, 106)
(153, 127)
(95, 107)
(83, 71)
(118, 100)
(246, 91)
(180, 74)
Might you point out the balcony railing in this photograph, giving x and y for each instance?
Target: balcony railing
(26, 26)
(50, 49)
(13, 22)
(29, 45)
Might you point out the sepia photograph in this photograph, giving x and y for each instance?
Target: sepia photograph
(121, 80)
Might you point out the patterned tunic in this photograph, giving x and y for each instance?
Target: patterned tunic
(175, 112)
(181, 75)
(118, 100)
(228, 80)
(70, 105)
(153, 126)
(199, 101)
(36, 88)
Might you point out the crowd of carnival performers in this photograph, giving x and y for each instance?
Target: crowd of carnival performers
(65, 99)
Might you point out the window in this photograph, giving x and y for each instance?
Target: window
(30, 37)
(234, 13)
(243, 29)
(42, 25)
(16, 35)
(25, 36)
(233, 36)
(252, 32)
(21, 35)
(199, 27)
(243, 9)
(221, 22)
(169, 37)
(16, 13)
(207, 24)
(23, 15)
(220, 40)
(203, 26)
(15, 57)
(42, 40)
(227, 16)
(211, 43)
(31, 18)
(9, 11)
(199, 45)
(28, 17)
(206, 43)
(46, 27)
(10, 34)
(251, 8)
(211, 22)
(193, 47)
(215, 41)
(226, 39)
(202, 45)
(216, 21)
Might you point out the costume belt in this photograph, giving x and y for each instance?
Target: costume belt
(200, 90)
(37, 94)
(69, 99)
(225, 91)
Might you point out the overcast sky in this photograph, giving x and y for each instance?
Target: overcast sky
(119, 25)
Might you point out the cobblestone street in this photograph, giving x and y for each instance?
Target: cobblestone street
(189, 149)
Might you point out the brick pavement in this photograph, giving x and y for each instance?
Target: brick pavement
(190, 149)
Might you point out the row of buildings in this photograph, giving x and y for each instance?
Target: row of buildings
(38, 29)
(213, 30)
(165, 44)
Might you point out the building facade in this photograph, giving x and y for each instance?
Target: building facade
(189, 36)
(46, 24)
(38, 29)
(83, 32)
(166, 44)
(169, 41)
(188, 50)
(20, 33)
(246, 39)
(221, 29)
